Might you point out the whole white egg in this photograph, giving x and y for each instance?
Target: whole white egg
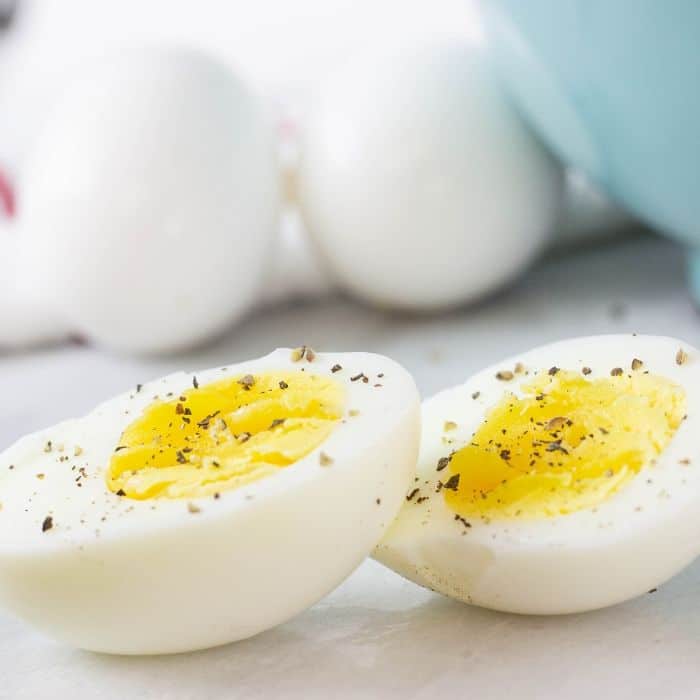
(420, 185)
(561, 480)
(206, 507)
(150, 200)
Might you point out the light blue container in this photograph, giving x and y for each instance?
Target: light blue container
(614, 87)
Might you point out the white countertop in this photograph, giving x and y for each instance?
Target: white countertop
(378, 635)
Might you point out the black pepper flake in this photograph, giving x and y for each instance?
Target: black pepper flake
(139, 387)
(586, 370)
(443, 462)
(247, 381)
(47, 524)
(504, 455)
(452, 483)
(181, 459)
(195, 383)
(422, 499)
(504, 375)
(476, 395)
(283, 384)
(637, 364)
(412, 494)
(616, 371)
(552, 371)
(556, 423)
(359, 376)
(556, 446)
(179, 409)
(121, 492)
(378, 501)
(303, 352)
(681, 357)
(336, 368)
(276, 422)
(120, 447)
(462, 520)
(204, 423)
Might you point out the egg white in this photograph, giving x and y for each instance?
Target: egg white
(627, 545)
(133, 577)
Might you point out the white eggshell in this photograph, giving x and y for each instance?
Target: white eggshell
(25, 321)
(296, 271)
(420, 185)
(150, 200)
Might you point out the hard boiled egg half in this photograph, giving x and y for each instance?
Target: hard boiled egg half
(203, 508)
(562, 480)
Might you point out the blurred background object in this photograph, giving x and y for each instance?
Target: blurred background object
(422, 186)
(149, 202)
(589, 215)
(613, 88)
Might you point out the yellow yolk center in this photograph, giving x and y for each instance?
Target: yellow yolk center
(568, 443)
(224, 434)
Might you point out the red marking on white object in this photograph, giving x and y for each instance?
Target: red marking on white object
(7, 196)
(288, 128)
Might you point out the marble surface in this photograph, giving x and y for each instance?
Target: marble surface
(378, 635)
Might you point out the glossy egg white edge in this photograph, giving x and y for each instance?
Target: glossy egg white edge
(145, 577)
(628, 545)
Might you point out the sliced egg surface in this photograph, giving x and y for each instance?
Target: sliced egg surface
(561, 480)
(203, 508)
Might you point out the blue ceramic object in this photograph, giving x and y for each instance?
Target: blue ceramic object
(614, 87)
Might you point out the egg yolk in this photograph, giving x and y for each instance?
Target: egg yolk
(222, 435)
(567, 443)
